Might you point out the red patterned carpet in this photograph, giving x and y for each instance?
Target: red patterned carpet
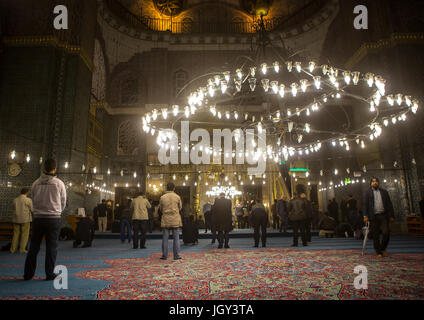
(267, 274)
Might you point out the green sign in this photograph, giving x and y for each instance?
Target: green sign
(347, 181)
(298, 170)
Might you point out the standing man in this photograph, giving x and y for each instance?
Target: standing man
(22, 218)
(308, 220)
(102, 216)
(275, 218)
(207, 207)
(140, 219)
(297, 208)
(222, 210)
(259, 218)
(333, 210)
(283, 213)
(125, 217)
(239, 214)
(378, 209)
(49, 201)
(170, 206)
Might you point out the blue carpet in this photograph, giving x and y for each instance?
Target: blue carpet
(76, 260)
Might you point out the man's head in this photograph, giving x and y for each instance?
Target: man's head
(300, 188)
(303, 195)
(50, 166)
(375, 183)
(142, 194)
(103, 201)
(25, 191)
(170, 186)
(222, 195)
(275, 200)
(350, 196)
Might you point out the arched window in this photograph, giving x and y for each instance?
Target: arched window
(180, 79)
(129, 91)
(127, 138)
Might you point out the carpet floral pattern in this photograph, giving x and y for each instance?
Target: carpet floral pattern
(267, 274)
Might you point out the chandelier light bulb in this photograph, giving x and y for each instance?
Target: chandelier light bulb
(281, 91)
(370, 79)
(312, 65)
(264, 68)
(227, 76)
(274, 86)
(239, 74)
(304, 84)
(317, 82)
(135, 174)
(187, 111)
(394, 120)
(28, 158)
(294, 89)
(252, 72)
(265, 84)
(219, 115)
(372, 106)
(227, 115)
(399, 99)
(298, 66)
(355, 77)
(307, 128)
(175, 110)
(13, 155)
(235, 115)
(217, 80)
(108, 171)
(414, 106)
(336, 172)
(347, 77)
(164, 113)
(224, 86)
(252, 83)
(289, 66)
(276, 66)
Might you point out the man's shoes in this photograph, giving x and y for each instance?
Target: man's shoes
(294, 245)
(163, 258)
(177, 258)
(23, 252)
(220, 246)
(264, 246)
(213, 242)
(227, 246)
(256, 246)
(27, 278)
(143, 247)
(135, 247)
(305, 244)
(50, 278)
(385, 254)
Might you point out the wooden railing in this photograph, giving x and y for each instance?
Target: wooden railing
(156, 24)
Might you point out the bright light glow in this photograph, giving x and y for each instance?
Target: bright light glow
(276, 66)
(264, 68)
(312, 65)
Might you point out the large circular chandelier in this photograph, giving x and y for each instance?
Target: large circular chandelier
(293, 91)
(320, 85)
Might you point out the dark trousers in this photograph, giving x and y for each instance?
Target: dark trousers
(275, 222)
(50, 228)
(301, 224)
(260, 227)
(223, 235)
(213, 230)
(240, 222)
(125, 225)
(284, 223)
(379, 224)
(308, 224)
(140, 226)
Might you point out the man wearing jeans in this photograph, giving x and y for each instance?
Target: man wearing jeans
(170, 206)
(140, 219)
(378, 209)
(49, 201)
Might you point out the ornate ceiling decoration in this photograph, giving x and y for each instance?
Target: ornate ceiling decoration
(169, 7)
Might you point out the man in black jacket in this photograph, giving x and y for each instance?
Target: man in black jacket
(259, 219)
(378, 209)
(222, 212)
(85, 232)
(298, 215)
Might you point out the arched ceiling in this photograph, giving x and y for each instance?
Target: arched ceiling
(164, 8)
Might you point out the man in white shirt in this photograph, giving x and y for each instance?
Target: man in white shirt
(140, 219)
(22, 218)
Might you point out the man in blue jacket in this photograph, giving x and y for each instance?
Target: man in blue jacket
(378, 209)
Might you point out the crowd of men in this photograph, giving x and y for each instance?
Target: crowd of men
(49, 200)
